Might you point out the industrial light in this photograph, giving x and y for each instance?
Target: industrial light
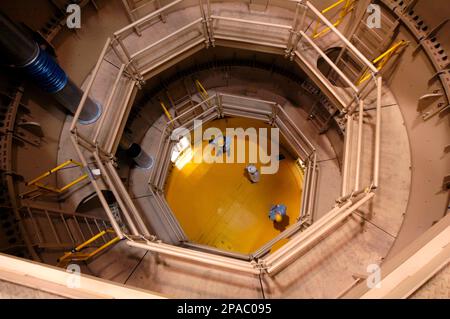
(184, 158)
(182, 153)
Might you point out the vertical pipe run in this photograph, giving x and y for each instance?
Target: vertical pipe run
(312, 189)
(135, 151)
(23, 52)
(359, 145)
(301, 27)
(348, 133)
(293, 30)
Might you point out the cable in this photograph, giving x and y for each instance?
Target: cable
(135, 267)
(262, 288)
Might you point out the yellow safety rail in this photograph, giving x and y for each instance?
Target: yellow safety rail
(202, 91)
(166, 111)
(346, 9)
(41, 187)
(383, 59)
(77, 255)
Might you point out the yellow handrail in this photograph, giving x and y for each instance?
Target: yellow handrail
(381, 61)
(77, 255)
(163, 106)
(346, 9)
(39, 186)
(202, 91)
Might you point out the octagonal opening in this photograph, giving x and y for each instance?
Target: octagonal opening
(218, 205)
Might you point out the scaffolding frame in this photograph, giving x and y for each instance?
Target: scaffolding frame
(141, 64)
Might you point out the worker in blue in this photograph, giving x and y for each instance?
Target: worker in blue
(222, 144)
(277, 213)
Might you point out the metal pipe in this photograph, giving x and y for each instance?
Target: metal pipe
(297, 39)
(343, 38)
(281, 26)
(135, 151)
(348, 133)
(162, 139)
(330, 63)
(172, 220)
(302, 247)
(111, 185)
(100, 195)
(292, 30)
(306, 177)
(204, 258)
(108, 104)
(23, 52)
(359, 144)
(172, 56)
(164, 214)
(146, 18)
(284, 129)
(269, 44)
(85, 97)
(114, 135)
(148, 47)
(376, 169)
(216, 251)
(313, 229)
(204, 21)
(209, 23)
(127, 199)
(247, 98)
(246, 109)
(290, 231)
(312, 187)
(289, 120)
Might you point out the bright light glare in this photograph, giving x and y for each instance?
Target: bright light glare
(179, 148)
(182, 153)
(184, 158)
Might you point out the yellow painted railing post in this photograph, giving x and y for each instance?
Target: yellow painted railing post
(202, 91)
(166, 111)
(39, 186)
(77, 255)
(381, 61)
(346, 9)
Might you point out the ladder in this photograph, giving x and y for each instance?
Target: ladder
(38, 188)
(258, 5)
(182, 100)
(55, 229)
(137, 9)
(317, 115)
(371, 42)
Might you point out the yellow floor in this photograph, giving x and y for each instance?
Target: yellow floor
(217, 205)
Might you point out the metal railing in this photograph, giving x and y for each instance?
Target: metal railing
(218, 106)
(135, 63)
